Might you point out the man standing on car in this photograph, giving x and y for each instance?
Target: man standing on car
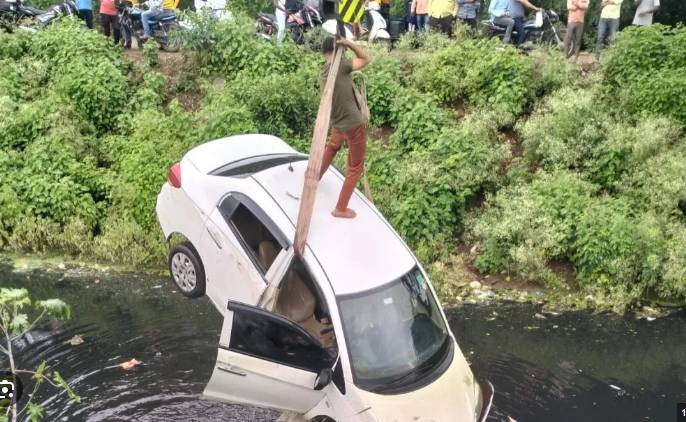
(442, 15)
(85, 8)
(608, 24)
(575, 27)
(347, 121)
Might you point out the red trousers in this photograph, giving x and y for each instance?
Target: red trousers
(357, 145)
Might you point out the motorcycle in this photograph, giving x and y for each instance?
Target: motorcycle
(297, 23)
(163, 28)
(68, 8)
(539, 31)
(14, 13)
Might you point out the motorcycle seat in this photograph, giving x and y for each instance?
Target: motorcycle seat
(166, 16)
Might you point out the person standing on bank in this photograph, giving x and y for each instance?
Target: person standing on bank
(110, 19)
(466, 12)
(608, 24)
(644, 11)
(575, 27)
(85, 8)
(280, 12)
(420, 10)
(442, 15)
(347, 121)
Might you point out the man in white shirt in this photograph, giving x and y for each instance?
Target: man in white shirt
(644, 11)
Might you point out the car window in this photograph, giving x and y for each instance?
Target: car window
(265, 335)
(300, 300)
(258, 241)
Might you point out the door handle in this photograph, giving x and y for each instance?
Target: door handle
(231, 370)
(215, 238)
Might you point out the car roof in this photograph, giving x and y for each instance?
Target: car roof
(356, 254)
(214, 154)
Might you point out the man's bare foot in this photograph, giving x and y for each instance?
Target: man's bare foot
(346, 213)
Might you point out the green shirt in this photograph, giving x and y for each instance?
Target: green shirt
(345, 113)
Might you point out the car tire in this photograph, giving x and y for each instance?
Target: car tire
(322, 419)
(186, 270)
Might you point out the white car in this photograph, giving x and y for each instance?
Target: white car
(351, 332)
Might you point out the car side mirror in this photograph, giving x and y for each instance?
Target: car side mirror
(323, 379)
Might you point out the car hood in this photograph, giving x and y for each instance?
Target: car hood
(452, 397)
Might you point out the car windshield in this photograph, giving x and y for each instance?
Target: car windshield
(395, 334)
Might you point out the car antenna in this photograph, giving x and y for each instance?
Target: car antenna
(290, 164)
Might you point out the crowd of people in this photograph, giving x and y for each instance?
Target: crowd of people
(109, 17)
(440, 15)
(608, 25)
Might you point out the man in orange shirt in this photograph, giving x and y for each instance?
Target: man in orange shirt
(575, 27)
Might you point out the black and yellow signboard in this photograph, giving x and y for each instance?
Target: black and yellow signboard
(351, 10)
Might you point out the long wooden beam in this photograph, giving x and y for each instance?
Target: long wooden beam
(314, 164)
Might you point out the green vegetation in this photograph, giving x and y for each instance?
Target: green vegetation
(16, 320)
(530, 165)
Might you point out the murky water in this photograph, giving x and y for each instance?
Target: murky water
(571, 367)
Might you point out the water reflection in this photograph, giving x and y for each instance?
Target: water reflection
(571, 367)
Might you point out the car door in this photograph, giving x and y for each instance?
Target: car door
(266, 360)
(241, 249)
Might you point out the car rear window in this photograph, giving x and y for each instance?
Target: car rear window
(252, 165)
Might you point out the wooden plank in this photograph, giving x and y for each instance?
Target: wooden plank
(314, 164)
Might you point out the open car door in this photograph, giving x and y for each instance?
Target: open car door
(267, 360)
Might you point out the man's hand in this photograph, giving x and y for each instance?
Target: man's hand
(361, 58)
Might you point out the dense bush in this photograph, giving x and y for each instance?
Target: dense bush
(479, 72)
(642, 70)
(526, 226)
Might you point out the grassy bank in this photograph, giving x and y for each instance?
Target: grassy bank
(498, 167)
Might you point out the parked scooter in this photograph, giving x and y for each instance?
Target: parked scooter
(163, 29)
(14, 12)
(540, 30)
(297, 23)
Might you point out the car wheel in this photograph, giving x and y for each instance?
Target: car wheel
(322, 419)
(186, 270)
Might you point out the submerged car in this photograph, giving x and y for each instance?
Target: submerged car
(352, 331)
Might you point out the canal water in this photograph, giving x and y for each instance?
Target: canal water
(575, 366)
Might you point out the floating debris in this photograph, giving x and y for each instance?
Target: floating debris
(614, 387)
(130, 364)
(540, 316)
(75, 341)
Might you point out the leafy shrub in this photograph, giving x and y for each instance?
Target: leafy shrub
(149, 94)
(282, 104)
(58, 181)
(67, 40)
(76, 238)
(674, 278)
(142, 160)
(97, 88)
(125, 242)
(659, 183)
(384, 81)
(151, 53)
(564, 130)
(526, 226)
(34, 234)
(478, 71)
(643, 67)
(615, 250)
(221, 115)
(418, 120)
(552, 71)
